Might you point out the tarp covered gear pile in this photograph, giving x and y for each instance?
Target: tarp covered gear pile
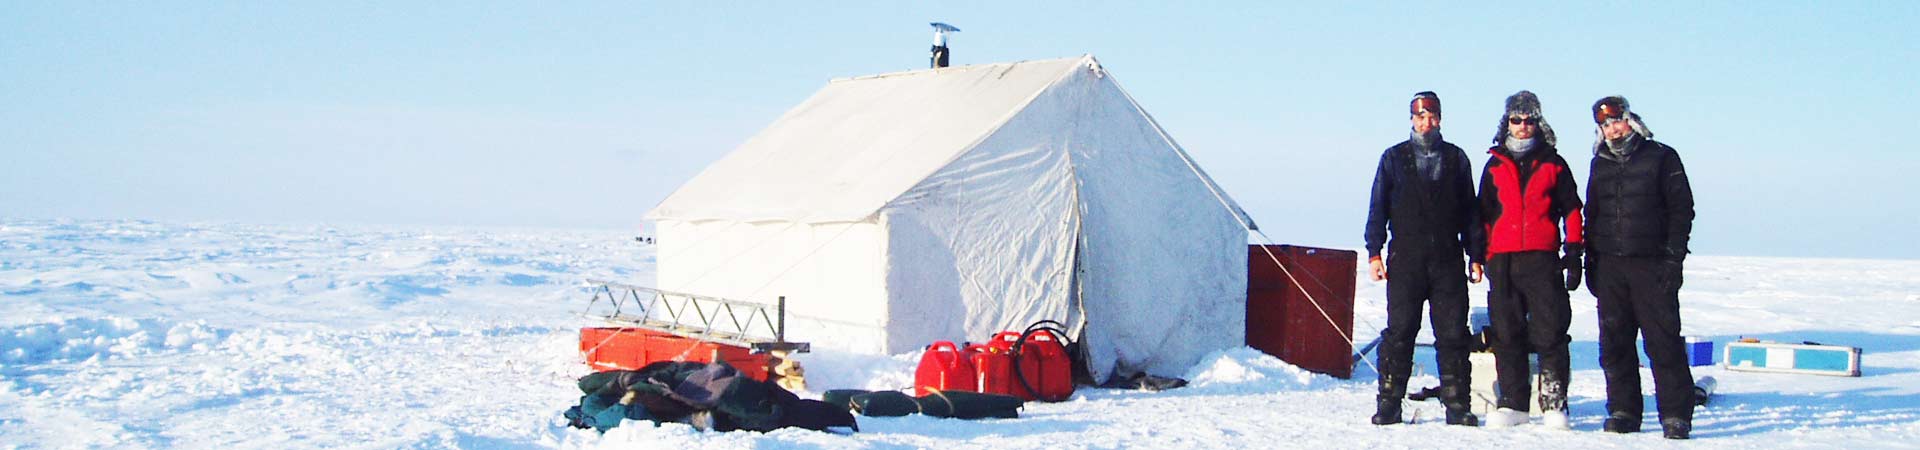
(708, 396)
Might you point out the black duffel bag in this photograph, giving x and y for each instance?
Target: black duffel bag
(969, 405)
(884, 404)
(952, 404)
(842, 398)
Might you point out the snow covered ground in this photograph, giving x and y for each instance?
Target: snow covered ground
(143, 334)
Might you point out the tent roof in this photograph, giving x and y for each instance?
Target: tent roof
(861, 142)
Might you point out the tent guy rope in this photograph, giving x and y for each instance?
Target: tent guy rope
(1238, 217)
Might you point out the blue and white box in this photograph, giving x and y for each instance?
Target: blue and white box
(1478, 319)
(1807, 358)
(1699, 352)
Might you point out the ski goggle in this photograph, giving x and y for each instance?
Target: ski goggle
(1517, 120)
(1608, 111)
(1428, 104)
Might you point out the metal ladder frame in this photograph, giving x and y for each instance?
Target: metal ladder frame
(746, 324)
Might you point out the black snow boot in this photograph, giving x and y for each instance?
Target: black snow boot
(1462, 416)
(1621, 422)
(1393, 386)
(1676, 428)
(1387, 412)
(1456, 395)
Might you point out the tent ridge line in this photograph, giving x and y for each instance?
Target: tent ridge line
(1233, 208)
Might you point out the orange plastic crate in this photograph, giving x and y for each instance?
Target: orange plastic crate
(610, 348)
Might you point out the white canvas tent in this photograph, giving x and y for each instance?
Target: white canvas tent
(949, 204)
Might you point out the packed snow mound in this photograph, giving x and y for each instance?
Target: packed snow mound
(80, 339)
(834, 370)
(1248, 371)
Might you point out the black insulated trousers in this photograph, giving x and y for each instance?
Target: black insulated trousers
(1414, 280)
(1641, 296)
(1528, 307)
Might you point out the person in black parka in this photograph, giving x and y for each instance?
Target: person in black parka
(1639, 218)
(1423, 195)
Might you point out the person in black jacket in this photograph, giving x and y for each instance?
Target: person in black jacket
(1526, 193)
(1639, 217)
(1423, 194)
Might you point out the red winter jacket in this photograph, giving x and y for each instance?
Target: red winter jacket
(1522, 200)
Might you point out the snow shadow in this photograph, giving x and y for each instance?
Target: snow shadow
(469, 440)
(968, 430)
(1738, 414)
(32, 380)
(400, 289)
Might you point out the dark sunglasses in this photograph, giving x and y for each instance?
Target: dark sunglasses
(1527, 121)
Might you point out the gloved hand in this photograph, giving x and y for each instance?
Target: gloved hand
(1574, 254)
(1670, 266)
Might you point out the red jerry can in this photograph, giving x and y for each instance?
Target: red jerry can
(1052, 374)
(994, 369)
(1042, 362)
(944, 367)
(1003, 341)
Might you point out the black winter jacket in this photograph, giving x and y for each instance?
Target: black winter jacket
(1427, 217)
(1641, 205)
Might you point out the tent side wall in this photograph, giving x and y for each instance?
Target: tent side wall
(1163, 261)
(985, 244)
(829, 273)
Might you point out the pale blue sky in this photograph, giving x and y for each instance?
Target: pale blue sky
(1795, 119)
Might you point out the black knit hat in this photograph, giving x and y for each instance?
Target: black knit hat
(1424, 100)
(1524, 103)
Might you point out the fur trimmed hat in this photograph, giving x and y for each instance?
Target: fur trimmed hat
(1599, 121)
(1426, 100)
(1524, 103)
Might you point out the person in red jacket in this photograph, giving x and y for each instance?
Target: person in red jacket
(1526, 193)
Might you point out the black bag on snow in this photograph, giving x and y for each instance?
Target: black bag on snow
(969, 405)
(885, 404)
(842, 398)
(953, 404)
(817, 416)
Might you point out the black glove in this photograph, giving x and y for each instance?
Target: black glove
(1574, 253)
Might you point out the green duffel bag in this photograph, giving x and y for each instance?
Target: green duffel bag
(969, 405)
(884, 404)
(842, 398)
